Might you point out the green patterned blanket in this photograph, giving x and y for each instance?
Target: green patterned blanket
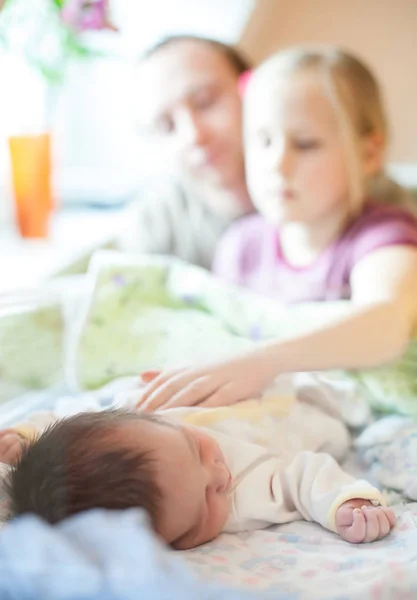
(158, 312)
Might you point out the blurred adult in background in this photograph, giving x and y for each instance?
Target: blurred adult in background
(190, 111)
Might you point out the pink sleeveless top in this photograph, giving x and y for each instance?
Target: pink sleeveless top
(249, 254)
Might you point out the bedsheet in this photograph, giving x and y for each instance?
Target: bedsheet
(304, 561)
(102, 555)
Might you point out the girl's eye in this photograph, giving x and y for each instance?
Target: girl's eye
(309, 144)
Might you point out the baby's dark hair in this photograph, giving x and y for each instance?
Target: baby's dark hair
(235, 57)
(80, 463)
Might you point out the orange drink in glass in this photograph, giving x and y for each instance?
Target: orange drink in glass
(31, 183)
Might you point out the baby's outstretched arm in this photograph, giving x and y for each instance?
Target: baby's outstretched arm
(360, 521)
(10, 446)
(314, 487)
(12, 439)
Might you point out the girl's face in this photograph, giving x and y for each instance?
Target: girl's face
(297, 167)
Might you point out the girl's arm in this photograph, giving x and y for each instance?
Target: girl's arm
(376, 329)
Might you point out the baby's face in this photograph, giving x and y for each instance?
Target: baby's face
(194, 480)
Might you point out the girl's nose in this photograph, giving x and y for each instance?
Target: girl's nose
(282, 159)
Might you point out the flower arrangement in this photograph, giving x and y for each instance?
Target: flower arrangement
(50, 33)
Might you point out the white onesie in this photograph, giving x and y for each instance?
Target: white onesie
(281, 453)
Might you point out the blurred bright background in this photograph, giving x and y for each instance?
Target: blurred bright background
(100, 160)
(98, 153)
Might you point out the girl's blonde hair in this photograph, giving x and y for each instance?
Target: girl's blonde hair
(356, 98)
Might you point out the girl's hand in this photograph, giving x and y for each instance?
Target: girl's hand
(360, 521)
(10, 446)
(148, 376)
(218, 384)
(132, 397)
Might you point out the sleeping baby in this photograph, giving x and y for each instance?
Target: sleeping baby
(199, 472)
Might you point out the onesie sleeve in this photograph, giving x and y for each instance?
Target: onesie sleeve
(314, 486)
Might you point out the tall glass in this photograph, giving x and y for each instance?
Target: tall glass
(31, 183)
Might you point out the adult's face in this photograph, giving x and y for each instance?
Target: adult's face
(189, 102)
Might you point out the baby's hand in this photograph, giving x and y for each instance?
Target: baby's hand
(10, 446)
(360, 521)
